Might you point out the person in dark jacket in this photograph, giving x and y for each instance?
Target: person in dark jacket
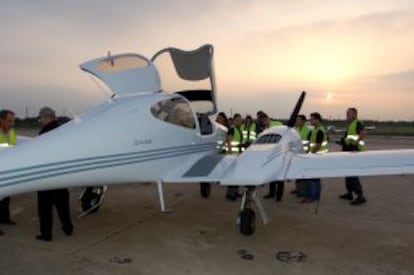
(49, 198)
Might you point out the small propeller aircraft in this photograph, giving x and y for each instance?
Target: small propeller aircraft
(148, 133)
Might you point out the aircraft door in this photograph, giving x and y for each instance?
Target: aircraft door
(190, 74)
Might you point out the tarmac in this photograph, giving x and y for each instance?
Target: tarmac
(129, 235)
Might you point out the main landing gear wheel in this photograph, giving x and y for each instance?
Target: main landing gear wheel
(92, 199)
(247, 221)
(205, 189)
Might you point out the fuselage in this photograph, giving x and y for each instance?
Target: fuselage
(135, 138)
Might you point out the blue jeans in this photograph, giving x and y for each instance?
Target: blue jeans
(314, 189)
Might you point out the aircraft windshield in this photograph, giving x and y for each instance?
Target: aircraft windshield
(175, 111)
(268, 139)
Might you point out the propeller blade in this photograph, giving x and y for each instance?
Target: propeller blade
(296, 111)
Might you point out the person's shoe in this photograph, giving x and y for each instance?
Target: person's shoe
(9, 222)
(278, 199)
(43, 238)
(294, 191)
(1, 233)
(68, 231)
(269, 196)
(306, 200)
(347, 196)
(358, 201)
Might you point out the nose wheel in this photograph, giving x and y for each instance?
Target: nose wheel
(247, 221)
(247, 216)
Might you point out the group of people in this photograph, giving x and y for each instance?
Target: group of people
(45, 199)
(242, 132)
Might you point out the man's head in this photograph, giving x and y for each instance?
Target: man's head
(351, 114)
(6, 120)
(46, 115)
(222, 119)
(265, 120)
(237, 120)
(315, 119)
(300, 120)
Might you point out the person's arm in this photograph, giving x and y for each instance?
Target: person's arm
(229, 139)
(361, 131)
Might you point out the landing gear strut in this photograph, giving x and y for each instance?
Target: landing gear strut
(247, 216)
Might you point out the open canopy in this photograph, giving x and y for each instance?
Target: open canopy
(189, 73)
(125, 73)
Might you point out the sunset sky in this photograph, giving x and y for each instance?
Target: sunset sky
(343, 53)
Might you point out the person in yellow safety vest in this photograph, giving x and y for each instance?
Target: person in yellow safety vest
(221, 143)
(353, 141)
(7, 139)
(318, 145)
(273, 191)
(234, 142)
(249, 131)
(235, 136)
(304, 133)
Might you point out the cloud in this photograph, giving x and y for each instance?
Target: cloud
(262, 47)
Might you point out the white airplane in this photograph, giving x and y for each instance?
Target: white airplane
(146, 134)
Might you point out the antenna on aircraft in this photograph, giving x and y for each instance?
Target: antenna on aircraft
(296, 110)
(110, 58)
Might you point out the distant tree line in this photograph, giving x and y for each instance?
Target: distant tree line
(33, 122)
(400, 128)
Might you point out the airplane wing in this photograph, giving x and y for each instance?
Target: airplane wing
(261, 165)
(254, 167)
(23, 139)
(340, 164)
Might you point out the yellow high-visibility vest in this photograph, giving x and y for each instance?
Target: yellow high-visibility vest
(236, 141)
(249, 132)
(304, 135)
(352, 135)
(324, 145)
(275, 123)
(9, 139)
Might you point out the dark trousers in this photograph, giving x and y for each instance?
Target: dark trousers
(277, 188)
(313, 189)
(353, 185)
(232, 192)
(5, 210)
(45, 202)
(301, 187)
